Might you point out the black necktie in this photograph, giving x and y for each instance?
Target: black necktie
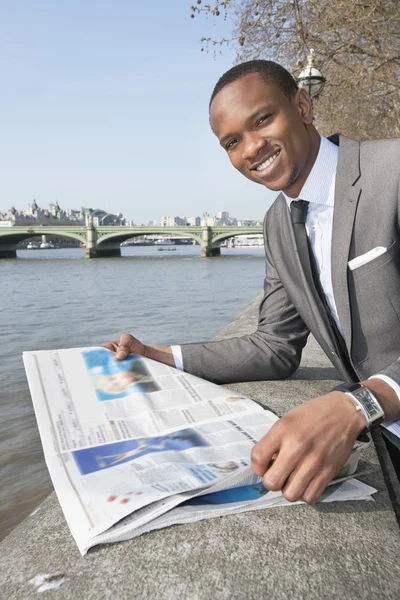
(298, 211)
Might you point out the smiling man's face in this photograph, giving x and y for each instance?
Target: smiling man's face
(269, 137)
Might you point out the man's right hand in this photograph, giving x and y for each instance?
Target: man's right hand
(127, 344)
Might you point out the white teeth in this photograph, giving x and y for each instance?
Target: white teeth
(268, 162)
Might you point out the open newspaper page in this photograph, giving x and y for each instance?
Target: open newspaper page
(122, 436)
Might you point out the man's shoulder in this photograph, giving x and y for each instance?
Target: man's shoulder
(388, 144)
(276, 208)
(391, 144)
(374, 155)
(381, 155)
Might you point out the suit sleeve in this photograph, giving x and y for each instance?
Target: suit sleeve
(393, 372)
(273, 351)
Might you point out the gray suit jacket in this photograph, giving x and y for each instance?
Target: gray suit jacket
(366, 215)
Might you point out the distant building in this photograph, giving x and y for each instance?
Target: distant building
(223, 218)
(55, 215)
(174, 222)
(208, 221)
(101, 217)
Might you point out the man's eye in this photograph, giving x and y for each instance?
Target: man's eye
(231, 144)
(263, 119)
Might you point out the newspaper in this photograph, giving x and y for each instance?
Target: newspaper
(128, 442)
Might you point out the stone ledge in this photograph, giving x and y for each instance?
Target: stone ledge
(348, 549)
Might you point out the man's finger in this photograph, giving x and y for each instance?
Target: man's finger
(300, 479)
(121, 352)
(126, 339)
(318, 484)
(282, 468)
(124, 346)
(264, 451)
(111, 346)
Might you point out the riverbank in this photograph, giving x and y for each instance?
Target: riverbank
(347, 549)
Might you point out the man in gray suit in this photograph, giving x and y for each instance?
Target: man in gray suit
(332, 267)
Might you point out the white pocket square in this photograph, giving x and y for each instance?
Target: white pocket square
(366, 258)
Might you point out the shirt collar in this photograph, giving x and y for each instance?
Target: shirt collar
(320, 183)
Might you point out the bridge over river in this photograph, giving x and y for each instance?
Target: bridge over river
(106, 240)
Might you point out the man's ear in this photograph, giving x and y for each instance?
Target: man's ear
(304, 106)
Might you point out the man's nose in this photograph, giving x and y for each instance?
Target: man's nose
(253, 143)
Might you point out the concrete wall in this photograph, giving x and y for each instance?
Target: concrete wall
(348, 550)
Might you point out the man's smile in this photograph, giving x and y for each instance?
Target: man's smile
(266, 163)
(264, 168)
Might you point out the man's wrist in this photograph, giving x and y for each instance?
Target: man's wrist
(386, 397)
(365, 402)
(162, 354)
(354, 418)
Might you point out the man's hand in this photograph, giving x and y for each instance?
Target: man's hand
(127, 344)
(307, 447)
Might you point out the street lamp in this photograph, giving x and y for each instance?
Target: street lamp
(311, 79)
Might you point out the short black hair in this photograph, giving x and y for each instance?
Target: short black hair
(270, 71)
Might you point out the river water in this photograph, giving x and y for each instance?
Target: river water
(56, 299)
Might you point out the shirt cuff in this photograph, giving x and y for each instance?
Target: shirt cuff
(177, 354)
(395, 386)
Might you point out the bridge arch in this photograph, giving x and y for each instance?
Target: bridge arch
(220, 237)
(118, 237)
(14, 235)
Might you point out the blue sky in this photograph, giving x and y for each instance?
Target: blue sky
(105, 105)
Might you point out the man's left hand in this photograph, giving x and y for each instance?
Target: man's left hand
(307, 447)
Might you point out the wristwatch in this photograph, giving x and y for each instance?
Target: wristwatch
(365, 402)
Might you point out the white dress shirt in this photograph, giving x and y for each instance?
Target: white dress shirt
(177, 354)
(319, 191)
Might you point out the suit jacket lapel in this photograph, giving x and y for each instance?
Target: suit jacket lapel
(347, 193)
(313, 318)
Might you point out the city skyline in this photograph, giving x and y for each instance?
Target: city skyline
(110, 103)
(33, 212)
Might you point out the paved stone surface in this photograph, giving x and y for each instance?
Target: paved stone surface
(349, 550)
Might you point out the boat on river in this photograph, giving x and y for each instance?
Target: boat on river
(164, 242)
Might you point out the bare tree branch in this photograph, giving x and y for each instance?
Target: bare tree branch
(357, 45)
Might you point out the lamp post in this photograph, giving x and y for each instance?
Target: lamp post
(311, 79)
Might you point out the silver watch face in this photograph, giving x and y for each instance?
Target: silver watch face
(369, 403)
